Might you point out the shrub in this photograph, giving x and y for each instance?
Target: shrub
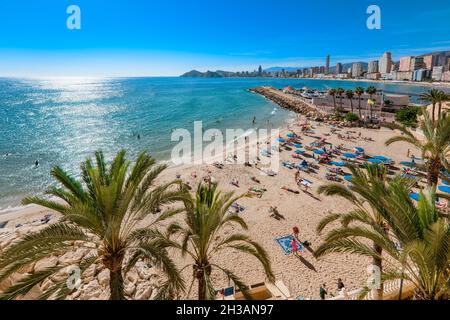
(408, 116)
(350, 117)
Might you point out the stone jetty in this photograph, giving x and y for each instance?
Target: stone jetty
(291, 102)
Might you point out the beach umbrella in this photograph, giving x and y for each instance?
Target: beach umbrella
(382, 158)
(445, 173)
(317, 151)
(338, 164)
(415, 196)
(375, 161)
(298, 145)
(408, 164)
(359, 149)
(445, 189)
(281, 140)
(409, 176)
(348, 178)
(350, 155)
(300, 151)
(445, 182)
(291, 135)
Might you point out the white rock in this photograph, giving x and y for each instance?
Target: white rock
(103, 277)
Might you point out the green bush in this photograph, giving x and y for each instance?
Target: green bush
(408, 116)
(350, 117)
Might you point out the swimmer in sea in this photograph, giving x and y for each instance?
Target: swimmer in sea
(36, 163)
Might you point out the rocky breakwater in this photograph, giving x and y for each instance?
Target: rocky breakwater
(290, 102)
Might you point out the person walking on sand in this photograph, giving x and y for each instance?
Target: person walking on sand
(323, 292)
(294, 246)
(296, 232)
(408, 153)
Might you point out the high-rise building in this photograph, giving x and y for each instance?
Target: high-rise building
(386, 63)
(417, 63)
(421, 74)
(357, 70)
(373, 67)
(430, 61)
(260, 71)
(338, 68)
(327, 65)
(405, 64)
(437, 73)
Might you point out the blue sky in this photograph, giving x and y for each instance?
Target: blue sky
(168, 37)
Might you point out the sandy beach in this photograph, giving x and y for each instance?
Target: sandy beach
(303, 276)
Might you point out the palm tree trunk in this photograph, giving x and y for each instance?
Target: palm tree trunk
(434, 166)
(439, 110)
(201, 288)
(116, 285)
(433, 111)
(371, 108)
(351, 105)
(377, 262)
(359, 107)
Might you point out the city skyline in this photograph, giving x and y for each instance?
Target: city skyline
(152, 39)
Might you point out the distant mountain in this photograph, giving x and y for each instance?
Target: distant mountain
(198, 74)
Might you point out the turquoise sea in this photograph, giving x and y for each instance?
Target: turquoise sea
(62, 121)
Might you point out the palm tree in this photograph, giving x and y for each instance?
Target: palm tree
(435, 147)
(442, 98)
(359, 91)
(433, 96)
(101, 211)
(365, 222)
(349, 94)
(340, 92)
(415, 237)
(371, 91)
(206, 216)
(332, 92)
(425, 239)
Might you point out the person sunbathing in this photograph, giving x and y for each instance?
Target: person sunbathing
(290, 190)
(235, 182)
(254, 179)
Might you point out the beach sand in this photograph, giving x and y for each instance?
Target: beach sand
(303, 276)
